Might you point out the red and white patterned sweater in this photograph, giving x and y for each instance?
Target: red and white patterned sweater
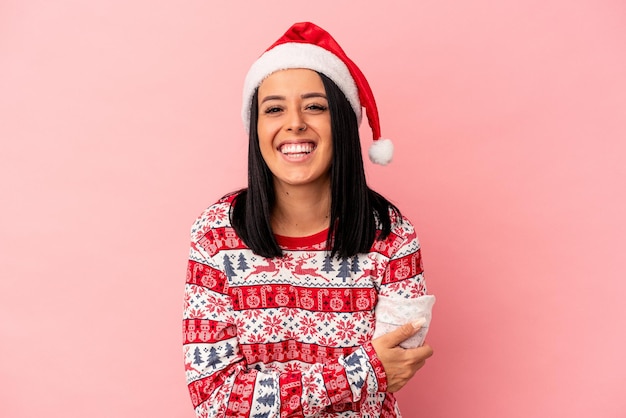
(289, 336)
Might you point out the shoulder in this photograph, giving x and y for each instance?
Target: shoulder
(401, 225)
(401, 239)
(215, 216)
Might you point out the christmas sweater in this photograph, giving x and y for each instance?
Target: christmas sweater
(289, 336)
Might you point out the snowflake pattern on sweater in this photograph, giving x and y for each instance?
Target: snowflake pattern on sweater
(289, 336)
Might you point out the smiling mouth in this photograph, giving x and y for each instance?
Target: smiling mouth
(297, 149)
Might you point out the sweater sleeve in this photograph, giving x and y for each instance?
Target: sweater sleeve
(222, 385)
(404, 273)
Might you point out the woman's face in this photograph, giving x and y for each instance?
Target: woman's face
(294, 128)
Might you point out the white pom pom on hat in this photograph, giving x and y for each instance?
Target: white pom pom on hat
(381, 151)
(306, 45)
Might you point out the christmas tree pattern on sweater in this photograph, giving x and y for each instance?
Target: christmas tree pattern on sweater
(289, 336)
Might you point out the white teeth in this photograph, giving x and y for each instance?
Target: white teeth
(297, 148)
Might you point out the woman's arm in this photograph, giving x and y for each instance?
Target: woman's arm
(222, 385)
(400, 364)
(403, 278)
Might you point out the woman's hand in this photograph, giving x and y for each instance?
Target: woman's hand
(400, 364)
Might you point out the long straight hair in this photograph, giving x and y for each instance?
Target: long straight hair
(356, 211)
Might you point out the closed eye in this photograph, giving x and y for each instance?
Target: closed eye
(317, 107)
(272, 109)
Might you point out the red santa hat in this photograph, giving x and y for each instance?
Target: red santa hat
(306, 45)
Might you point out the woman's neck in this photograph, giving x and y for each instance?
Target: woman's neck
(300, 211)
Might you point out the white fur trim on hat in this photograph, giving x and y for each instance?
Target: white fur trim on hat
(299, 55)
(381, 151)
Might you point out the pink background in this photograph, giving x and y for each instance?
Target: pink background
(119, 123)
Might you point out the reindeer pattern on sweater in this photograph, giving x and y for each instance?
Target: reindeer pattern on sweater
(289, 336)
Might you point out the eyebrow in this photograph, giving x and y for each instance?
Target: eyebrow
(311, 95)
(304, 96)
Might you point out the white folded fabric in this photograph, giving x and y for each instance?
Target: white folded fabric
(392, 313)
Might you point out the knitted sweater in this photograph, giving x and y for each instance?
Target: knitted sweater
(289, 336)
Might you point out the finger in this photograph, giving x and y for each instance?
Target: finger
(400, 334)
(428, 351)
(420, 365)
(423, 352)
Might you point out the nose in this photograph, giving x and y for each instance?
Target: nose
(296, 122)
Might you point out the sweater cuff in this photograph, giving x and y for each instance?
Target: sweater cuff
(379, 370)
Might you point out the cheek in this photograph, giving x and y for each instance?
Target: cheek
(265, 147)
(265, 131)
(266, 144)
(263, 137)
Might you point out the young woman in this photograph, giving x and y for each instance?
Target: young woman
(284, 275)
